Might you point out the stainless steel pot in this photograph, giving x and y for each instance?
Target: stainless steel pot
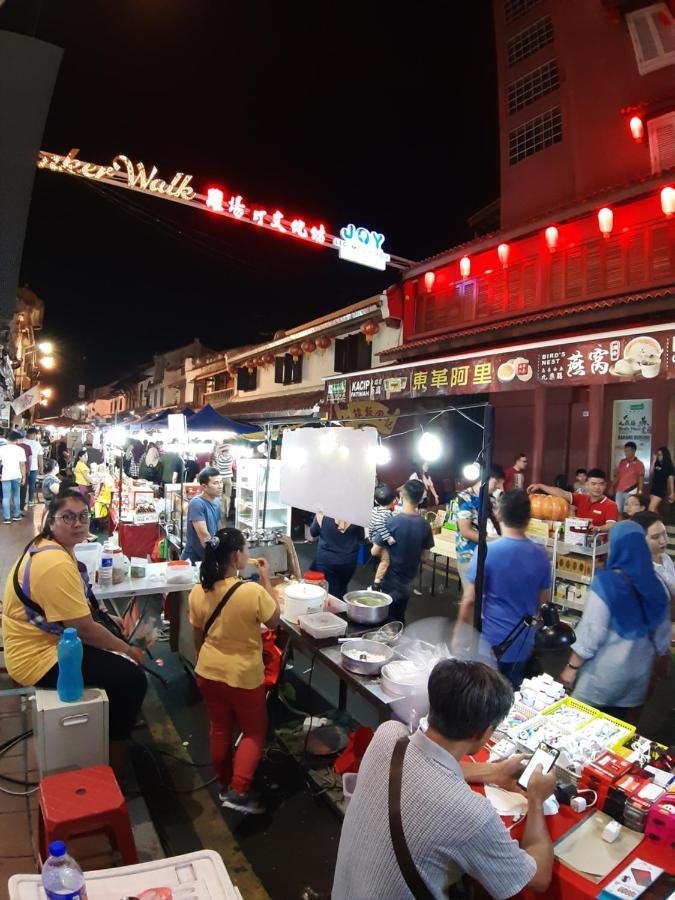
(367, 615)
(357, 656)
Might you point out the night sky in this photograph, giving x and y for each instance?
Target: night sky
(333, 112)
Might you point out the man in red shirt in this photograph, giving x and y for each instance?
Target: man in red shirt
(594, 505)
(514, 477)
(629, 477)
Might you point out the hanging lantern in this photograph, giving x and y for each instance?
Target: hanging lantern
(267, 359)
(551, 235)
(465, 267)
(503, 251)
(370, 329)
(308, 346)
(429, 279)
(605, 221)
(252, 364)
(296, 352)
(231, 371)
(323, 343)
(637, 129)
(668, 201)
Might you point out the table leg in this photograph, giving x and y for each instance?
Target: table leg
(342, 695)
(447, 571)
(433, 574)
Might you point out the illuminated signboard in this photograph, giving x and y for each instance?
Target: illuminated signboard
(363, 246)
(359, 245)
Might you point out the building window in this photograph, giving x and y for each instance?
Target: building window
(247, 381)
(352, 354)
(652, 30)
(661, 131)
(535, 135)
(513, 9)
(286, 370)
(535, 84)
(529, 40)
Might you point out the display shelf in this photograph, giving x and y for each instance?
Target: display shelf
(598, 550)
(572, 576)
(252, 477)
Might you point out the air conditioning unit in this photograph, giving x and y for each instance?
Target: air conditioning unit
(661, 131)
(70, 735)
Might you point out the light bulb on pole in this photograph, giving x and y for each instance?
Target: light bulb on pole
(45, 347)
(429, 447)
(471, 472)
(47, 362)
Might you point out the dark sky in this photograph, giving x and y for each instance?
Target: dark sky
(334, 112)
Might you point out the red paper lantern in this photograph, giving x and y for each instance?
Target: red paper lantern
(296, 352)
(267, 359)
(370, 329)
(308, 346)
(323, 343)
(252, 364)
(429, 279)
(605, 221)
(231, 371)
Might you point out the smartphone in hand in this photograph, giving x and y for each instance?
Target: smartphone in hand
(544, 756)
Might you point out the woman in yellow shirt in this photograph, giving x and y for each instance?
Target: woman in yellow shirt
(226, 614)
(82, 475)
(49, 577)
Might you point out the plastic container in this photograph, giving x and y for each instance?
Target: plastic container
(403, 678)
(62, 878)
(120, 566)
(69, 683)
(179, 571)
(105, 569)
(89, 553)
(301, 599)
(318, 579)
(321, 625)
(138, 567)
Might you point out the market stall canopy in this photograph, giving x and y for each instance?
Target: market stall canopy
(62, 422)
(161, 420)
(207, 419)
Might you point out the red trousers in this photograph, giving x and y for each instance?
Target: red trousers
(247, 707)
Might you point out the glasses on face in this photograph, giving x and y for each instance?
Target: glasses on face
(70, 518)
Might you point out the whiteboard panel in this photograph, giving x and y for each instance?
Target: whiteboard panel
(330, 470)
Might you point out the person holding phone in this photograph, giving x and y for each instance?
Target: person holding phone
(450, 830)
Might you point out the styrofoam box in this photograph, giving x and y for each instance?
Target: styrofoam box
(322, 625)
(197, 876)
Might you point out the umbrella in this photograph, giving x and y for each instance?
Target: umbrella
(208, 419)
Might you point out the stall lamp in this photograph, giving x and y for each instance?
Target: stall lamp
(429, 447)
(382, 455)
(471, 472)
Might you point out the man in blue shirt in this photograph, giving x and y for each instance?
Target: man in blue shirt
(413, 539)
(203, 517)
(517, 581)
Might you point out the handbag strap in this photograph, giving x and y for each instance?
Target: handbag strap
(217, 611)
(406, 864)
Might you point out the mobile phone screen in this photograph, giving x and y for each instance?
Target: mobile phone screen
(544, 756)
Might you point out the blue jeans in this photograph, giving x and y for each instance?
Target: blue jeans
(10, 490)
(32, 481)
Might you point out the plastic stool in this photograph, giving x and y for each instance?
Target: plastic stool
(86, 801)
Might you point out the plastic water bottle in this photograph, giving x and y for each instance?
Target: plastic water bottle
(62, 878)
(105, 572)
(69, 683)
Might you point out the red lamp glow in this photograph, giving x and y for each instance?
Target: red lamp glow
(605, 221)
(503, 254)
(637, 129)
(668, 201)
(323, 343)
(551, 235)
(465, 267)
(429, 279)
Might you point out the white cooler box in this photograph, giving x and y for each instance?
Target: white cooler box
(70, 735)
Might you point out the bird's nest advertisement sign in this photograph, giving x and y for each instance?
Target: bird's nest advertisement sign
(630, 356)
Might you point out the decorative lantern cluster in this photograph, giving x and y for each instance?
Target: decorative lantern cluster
(369, 329)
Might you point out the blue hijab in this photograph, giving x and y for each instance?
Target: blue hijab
(629, 553)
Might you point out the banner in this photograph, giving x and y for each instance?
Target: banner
(632, 421)
(5, 413)
(26, 400)
(633, 357)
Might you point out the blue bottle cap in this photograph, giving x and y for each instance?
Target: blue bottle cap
(58, 848)
(70, 633)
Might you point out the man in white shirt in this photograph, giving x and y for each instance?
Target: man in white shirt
(13, 462)
(36, 463)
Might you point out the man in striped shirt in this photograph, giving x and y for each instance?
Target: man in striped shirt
(223, 460)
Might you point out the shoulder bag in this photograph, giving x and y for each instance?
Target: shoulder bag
(217, 611)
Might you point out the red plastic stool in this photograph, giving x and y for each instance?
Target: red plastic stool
(85, 801)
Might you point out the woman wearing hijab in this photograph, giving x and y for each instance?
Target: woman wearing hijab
(624, 629)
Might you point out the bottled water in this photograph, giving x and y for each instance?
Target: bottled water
(69, 683)
(62, 878)
(105, 572)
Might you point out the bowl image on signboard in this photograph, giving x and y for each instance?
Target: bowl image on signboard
(506, 372)
(642, 348)
(625, 368)
(650, 366)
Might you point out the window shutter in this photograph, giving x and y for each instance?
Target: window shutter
(363, 355)
(661, 132)
(340, 355)
(651, 30)
(296, 371)
(288, 369)
(278, 369)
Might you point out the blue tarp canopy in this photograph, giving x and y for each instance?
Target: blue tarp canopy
(208, 419)
(161, 420)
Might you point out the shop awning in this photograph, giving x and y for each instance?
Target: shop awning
(277, 406)
(208, 419)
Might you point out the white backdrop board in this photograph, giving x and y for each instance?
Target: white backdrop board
(330, 470)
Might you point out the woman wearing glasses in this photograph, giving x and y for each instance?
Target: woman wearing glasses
(45, 592)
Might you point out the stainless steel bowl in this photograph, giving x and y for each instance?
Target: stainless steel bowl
(367, 615)
(361, 648)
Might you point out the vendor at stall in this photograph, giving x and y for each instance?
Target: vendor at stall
(203, 515)
(337, 553)
(592, 504)
(447, 828)
(44, 594)
(82, 474)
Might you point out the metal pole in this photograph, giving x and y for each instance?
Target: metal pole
(486, 463)
(268, 441)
